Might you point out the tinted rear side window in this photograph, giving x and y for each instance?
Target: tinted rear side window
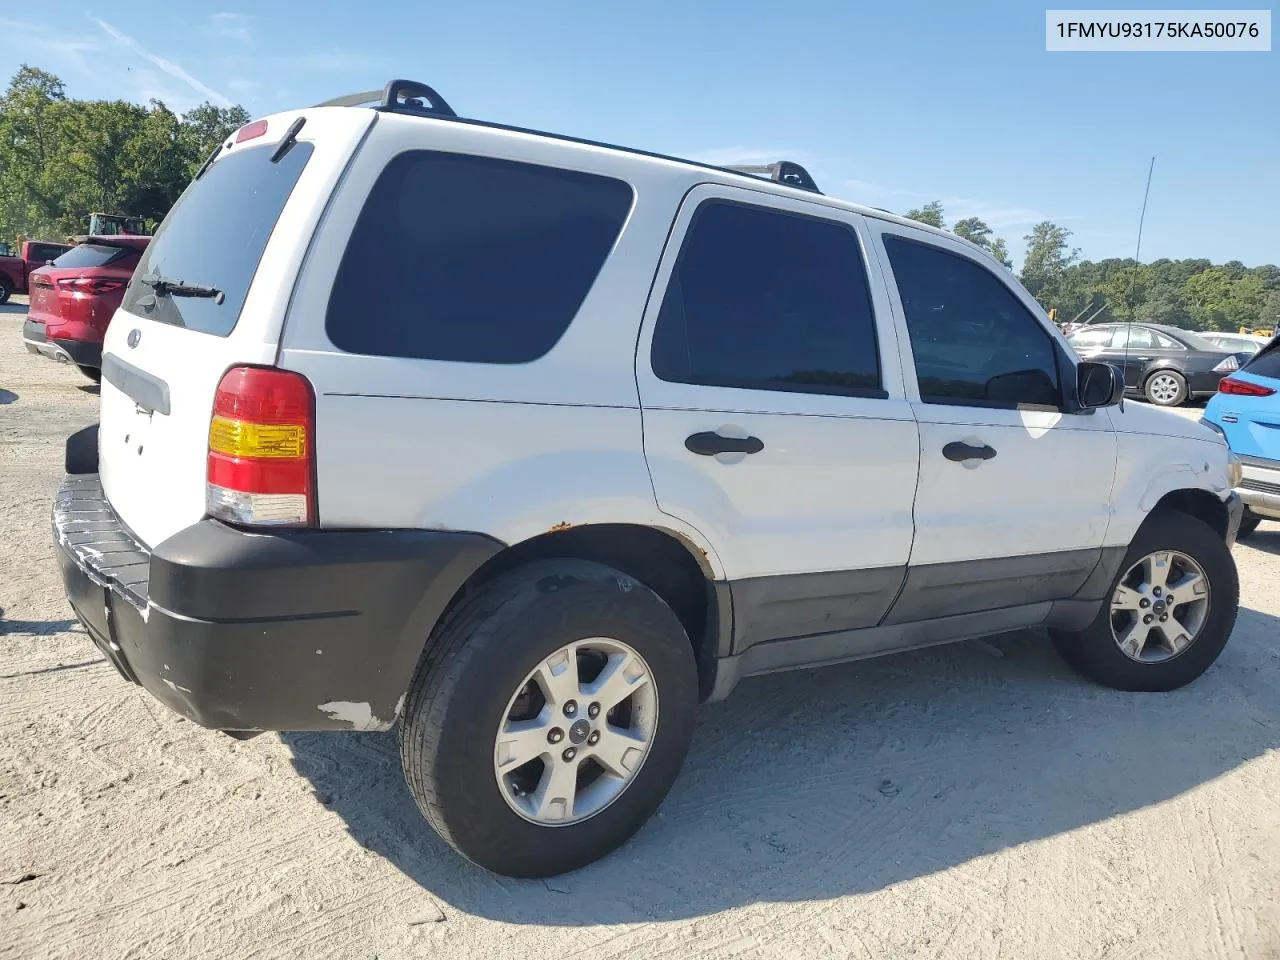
(472, 259)
(93, 255)
(1266, 363)
(215, 235)
(768, 300)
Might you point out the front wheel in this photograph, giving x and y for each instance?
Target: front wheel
(1169, 613)
(1248, 524)
(1165, 388)
(549, 718)
(5, 291)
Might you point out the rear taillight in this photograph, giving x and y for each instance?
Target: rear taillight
(1227, 365)
(90, 284)
(38, 280)
(1243, 388)
(262, 449)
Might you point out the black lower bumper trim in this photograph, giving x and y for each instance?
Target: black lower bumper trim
(1235, 513)
(288, 630)
(81, 352)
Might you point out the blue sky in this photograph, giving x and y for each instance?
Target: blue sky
(887, 104)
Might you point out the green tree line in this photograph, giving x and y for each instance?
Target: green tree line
(62, 159)
(1194, 294)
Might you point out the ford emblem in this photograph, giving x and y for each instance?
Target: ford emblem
(134, 336)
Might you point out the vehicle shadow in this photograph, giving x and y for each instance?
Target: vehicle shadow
(823, 783)
(35, 628)
(1266, 538)
(12, 308)
(90, 388)
(7, 396)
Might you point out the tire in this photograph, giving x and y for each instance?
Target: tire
(1165, 388)
(472, 673)
(1095, 651)
(93, 373)
(1248, 524)
(5, 291)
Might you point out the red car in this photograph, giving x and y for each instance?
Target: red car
(73, 299)
(15, 268)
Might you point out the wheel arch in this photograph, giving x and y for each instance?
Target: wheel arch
(1198, 503)
(672, 566)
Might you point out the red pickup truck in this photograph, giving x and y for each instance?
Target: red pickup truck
(15, 270)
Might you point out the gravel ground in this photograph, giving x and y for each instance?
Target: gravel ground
(973, 801)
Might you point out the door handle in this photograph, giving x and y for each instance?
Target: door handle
(960, 451)
(709, 444)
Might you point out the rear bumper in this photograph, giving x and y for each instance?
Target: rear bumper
(1204, 384)
(299, 630)
(82, 353)
(1260, 488)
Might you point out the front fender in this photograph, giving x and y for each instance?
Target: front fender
(1152, 466)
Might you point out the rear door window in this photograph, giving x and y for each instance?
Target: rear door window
(1137, 338)
(92, 255)
(768, 300)
(472, 259)
(214, 236)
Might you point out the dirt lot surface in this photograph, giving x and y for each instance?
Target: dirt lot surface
(976, 801)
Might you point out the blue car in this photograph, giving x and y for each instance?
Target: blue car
(1246, 410)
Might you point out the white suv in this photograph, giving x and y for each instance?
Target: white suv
(531, 444)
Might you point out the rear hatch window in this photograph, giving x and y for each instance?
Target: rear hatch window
(214, 236)
(1266, 362)
(92, 255)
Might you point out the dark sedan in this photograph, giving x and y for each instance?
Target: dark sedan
(1164, 365)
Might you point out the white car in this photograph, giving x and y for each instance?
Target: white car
(530, 444)
(1237, 342)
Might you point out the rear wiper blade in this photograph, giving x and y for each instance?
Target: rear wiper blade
(165, 286)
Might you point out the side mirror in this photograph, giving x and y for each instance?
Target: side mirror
(1098, 385)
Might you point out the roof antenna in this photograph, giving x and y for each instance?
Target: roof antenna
(1133, 277)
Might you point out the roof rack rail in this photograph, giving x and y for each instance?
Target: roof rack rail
(784, 171)
(407, 95)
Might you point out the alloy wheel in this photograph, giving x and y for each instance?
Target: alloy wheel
(1164, 388)
(576, 732)
(1159, 606)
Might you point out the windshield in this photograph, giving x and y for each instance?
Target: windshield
(92, 255)
(214, 236)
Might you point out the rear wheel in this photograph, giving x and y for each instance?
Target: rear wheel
(1170, 610)
(93, 373)
(1165, 388)
(549, 718)
(5, 290)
